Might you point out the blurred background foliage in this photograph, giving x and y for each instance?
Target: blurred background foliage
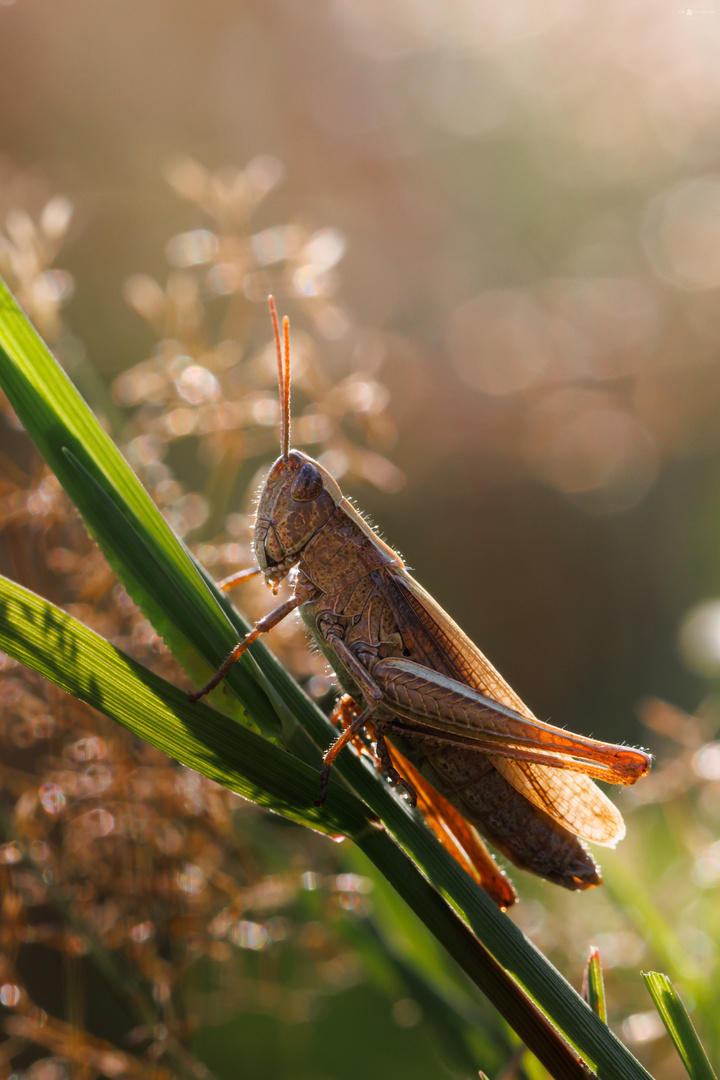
(495, 229)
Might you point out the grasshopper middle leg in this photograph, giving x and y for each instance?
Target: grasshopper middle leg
(348, 714)
(347, 736)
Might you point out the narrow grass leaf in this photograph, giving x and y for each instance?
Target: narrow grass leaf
(680, 1027)
(72, 656)
(162, 580)
(593, 989)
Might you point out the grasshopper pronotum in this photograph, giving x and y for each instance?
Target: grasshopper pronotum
(469, 752)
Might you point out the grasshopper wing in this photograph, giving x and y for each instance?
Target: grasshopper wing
(441, 642)
(571, 799)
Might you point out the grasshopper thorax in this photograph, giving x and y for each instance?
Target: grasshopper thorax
(298, 499)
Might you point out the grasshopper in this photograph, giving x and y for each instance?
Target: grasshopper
(467, 750)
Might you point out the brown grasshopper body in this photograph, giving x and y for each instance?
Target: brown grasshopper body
(461, 741)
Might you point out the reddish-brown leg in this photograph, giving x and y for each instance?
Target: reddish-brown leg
(261, 627)
(344, 712)
(238, 578)
(347, 736)
(456, 834)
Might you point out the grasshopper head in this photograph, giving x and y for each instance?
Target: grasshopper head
(298, 498)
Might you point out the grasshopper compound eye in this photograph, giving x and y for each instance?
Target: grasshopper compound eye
(308, 484)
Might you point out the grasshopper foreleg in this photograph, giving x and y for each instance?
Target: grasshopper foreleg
(261, 627)
(237, 579)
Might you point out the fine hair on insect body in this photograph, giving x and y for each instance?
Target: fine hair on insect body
(446, 725)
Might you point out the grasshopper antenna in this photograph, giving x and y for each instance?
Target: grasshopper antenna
(283, 376)
(286, 391)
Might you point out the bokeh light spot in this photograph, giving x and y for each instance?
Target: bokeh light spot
(56, 216)
(191, 879)
(699, 638)
(706, 762)
(324, 249)
(98, 823)
(250, 935)
(192, 248)
(196, 385)
(682, 234)
(500, 341)
(406, 1012)
(643, 1027)
(52, 798)
(10, 995)
(706, 868)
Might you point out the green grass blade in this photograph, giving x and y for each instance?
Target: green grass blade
(680, 1028)
(72, 656)
(163, 581)
(594, 987)
(197, 620)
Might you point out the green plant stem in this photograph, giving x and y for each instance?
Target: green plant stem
(475, 960)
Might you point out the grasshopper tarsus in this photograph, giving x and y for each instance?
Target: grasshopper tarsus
(324, 780)
(222, 670)
(329, 756)
(386, 761)
(215, 681)
(383, 755)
